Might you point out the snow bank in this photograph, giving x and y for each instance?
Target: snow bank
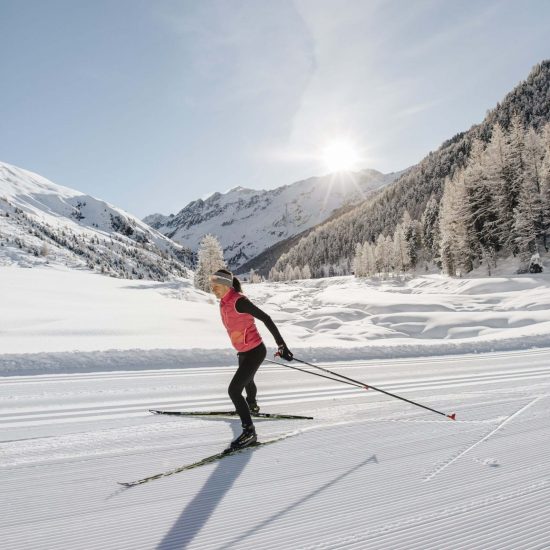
(74, 321)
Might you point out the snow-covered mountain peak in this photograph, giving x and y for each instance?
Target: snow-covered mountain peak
(248, 221)
(41, 218)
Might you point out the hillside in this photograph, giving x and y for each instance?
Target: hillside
(41, 222)
(247, 221)
(334, 242)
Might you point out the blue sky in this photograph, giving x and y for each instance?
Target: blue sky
(151, 104)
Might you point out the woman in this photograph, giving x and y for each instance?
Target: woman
(238, 314)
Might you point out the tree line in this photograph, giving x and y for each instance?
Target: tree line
(495, 206)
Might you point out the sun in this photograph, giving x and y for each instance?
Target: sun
(340, 156)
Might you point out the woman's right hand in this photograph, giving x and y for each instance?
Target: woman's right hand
(285, 353)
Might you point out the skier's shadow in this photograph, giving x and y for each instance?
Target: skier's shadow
(195, 515)
(235, 543)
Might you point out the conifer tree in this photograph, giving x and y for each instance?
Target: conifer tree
(210, 259)
(482, 205)
(514, 175)
(545, 188)
(497, 178)
(430, 228)
(358, 261)
(400, 250)
(288, 273)
(411, 237)
(379, 253)
(526, 217)
(455, 252)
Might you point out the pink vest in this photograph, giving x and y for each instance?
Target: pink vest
(240, 326)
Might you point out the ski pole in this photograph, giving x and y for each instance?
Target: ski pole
(314, 373)
(367, 386)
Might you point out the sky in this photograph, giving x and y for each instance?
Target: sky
(151, 104)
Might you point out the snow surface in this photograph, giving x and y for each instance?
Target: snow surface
(83, 357)
(61, 310)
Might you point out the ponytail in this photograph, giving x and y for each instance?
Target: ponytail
(237, 285)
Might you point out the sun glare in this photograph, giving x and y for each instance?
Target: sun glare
(340, 156)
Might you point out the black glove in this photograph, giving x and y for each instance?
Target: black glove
(284, 352)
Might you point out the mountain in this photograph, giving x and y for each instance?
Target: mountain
(247, 221)
(263, 262)
(41, 222)
(333, 243)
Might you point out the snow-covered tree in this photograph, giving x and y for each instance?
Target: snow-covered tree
(210, 259)
(455, 251)
(383, 257)
(545, 188)
(411, 236)
(358, 263)
(274, 275)
(379, 251)
(498, 184)
(482, 205)
(430, 228)
(402, 261)
(526, 217)
(369, 258)
(255, 277)
(288, 273)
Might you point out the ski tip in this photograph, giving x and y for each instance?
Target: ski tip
(452, 416)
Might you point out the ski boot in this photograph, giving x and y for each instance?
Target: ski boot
(254, 407)
(247, 438)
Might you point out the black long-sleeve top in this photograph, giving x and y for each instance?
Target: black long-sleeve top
(244, 305)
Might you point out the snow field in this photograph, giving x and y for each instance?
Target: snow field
(368, 472)
(49, 312)
(83, 357)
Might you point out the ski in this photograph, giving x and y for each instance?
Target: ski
(203, 462)
(273, 416)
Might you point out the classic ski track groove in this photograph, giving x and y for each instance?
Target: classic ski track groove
(323, 490)
(140, 406)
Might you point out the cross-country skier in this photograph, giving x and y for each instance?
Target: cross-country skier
(238, 314)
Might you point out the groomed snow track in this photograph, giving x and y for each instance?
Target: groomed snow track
(368, 472)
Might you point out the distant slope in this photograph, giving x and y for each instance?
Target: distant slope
(44, 222)
(247, 221)
(264, 261)
(530, 100)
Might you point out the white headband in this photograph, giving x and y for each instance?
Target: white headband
(222, 279)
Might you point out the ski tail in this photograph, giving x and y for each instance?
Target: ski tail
(194, 413)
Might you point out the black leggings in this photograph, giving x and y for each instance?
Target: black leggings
(249, 362)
